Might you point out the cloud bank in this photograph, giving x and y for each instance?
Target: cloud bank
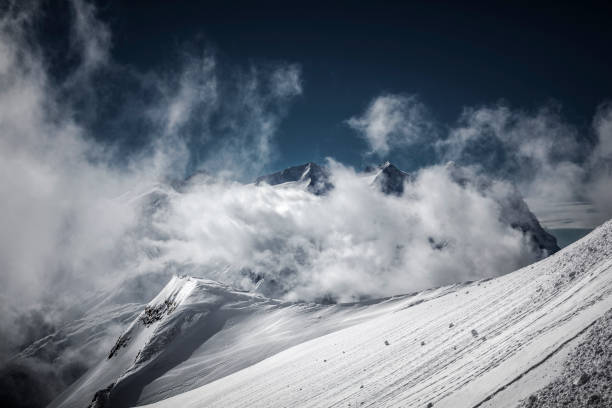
(551, 160)
(352, 243)
(68, 225)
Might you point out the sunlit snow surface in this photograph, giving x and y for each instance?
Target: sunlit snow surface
(455, 346)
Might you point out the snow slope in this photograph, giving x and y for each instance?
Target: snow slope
(202, 344)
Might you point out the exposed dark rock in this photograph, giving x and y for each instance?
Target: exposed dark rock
(594, 399)
(153, 314)
(101, 398)
(583, 379)
(437, 245)
(390, 179)
(122, 342)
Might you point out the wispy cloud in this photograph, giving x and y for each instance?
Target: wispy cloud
(68, 226)
(393, 121)
(551, 160)
(255, 102)
(91, 38)
(354, 242)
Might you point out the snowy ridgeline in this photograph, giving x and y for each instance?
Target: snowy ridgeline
(491, 343)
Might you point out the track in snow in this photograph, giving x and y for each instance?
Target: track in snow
(271, 354)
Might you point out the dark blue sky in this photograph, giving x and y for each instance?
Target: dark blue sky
(452, 55)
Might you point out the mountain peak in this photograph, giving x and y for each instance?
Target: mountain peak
(390, 179)
(316, 177)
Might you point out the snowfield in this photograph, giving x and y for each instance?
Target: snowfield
(490, 343)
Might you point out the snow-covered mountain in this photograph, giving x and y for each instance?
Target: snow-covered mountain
(75, 345)
(491, 343)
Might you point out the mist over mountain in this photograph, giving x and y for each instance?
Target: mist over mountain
(143, 148)
(307, 233)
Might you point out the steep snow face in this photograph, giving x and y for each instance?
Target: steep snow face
(202, 344)
(457, 349)
(196, 331)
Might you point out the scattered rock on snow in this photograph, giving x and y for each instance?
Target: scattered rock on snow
(583, 379)
(594, 399)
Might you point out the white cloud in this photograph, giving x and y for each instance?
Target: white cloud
(354, 242)
(287, 81)
(197, 85)
(551, 160)
(554, 163)
(249, 117)
(599, 185)
(393, 121)
(91, 38)
(537, 150)
(67, 226)
(602, 123)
